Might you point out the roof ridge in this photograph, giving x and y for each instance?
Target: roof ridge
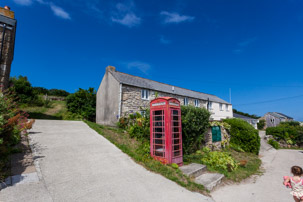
(166, 83)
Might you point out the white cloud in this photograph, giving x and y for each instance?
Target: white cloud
(143, 67)
(175, 17)
(58, 11)
(125, 15)
(23, 2)
(129, 20)
(164, 40)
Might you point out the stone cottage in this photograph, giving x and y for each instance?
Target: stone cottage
(120, 94)
(272, 119)
(7, 44)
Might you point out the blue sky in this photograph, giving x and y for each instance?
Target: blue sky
(254, 47)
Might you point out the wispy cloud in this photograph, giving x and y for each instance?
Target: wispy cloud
(141, 66)
(125, 15)
(247, 41)
(175, 17)
(163, 40)
(243, 44)
(58, 11)
(23, 2)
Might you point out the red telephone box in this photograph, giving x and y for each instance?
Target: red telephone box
(166, 130)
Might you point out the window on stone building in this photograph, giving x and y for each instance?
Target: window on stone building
(144, 94)
(196, 103)
(226, 107)
(185, 101)
(210, 105)
(221, 107)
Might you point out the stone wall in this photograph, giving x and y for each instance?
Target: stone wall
(6, 55)
(132, 101)
(216, 145)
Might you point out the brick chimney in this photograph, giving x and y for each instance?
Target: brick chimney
(110, 68)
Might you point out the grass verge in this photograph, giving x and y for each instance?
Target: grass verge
(139, 152)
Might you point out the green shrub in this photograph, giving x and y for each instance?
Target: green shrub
(261, 124)
(287, 131)
(273, 143)
(195, 122)
(23, 90)
(83, 103)
(244, 135)
(219, 160)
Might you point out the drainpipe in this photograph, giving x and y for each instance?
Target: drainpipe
(3, 34)
(120, 100)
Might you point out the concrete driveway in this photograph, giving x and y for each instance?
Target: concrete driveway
(74, 163)
(268, 187)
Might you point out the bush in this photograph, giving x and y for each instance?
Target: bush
(23, 90)
(219, 160)
(290, 132)
(273, 143)
(83, 103)
(137, 125)
(12, 122)
(195, 122)
(261, 124)
(244, 135)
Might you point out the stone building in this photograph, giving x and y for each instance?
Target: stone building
(120, 94)
(7, 44)
(272, 119)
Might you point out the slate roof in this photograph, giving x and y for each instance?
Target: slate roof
(242, 116)
(279, 115)
(162, 87)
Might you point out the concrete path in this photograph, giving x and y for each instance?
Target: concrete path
(74, 163)
(267, 187)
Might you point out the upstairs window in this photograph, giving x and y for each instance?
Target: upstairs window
(144, 94)
(210, 105)
(185, 101)
(197, 103)
(221, 107)
(226, 107)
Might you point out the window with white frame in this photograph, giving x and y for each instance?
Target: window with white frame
(210, 105)
(144, 94)
(226, 107)
(197, 103)
(185, 101)
(221, 106)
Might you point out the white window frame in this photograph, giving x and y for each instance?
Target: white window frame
(185, 101)
(144, 94)
(221, 106)
(226, 107)
(197, 103)
(210, 105)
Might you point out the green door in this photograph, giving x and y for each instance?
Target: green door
(216, 133)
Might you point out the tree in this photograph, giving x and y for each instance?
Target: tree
(261, 124)
(83, 102)
(23, 89)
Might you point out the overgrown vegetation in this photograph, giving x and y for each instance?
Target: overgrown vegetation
(141, 154)
(291, 132)
(235, 165)
(246, 114)
(195, 122)
(83, 103)
(273, 143)
(52, 92)
(12, 122)
(261, 124)
(244, 135)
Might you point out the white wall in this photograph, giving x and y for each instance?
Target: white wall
(218, 114)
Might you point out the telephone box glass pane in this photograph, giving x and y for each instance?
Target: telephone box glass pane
(158, 133)
(176, 132)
